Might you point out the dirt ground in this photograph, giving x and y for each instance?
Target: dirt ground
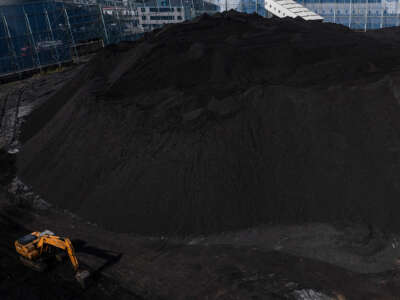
(285, 262)
(19, 282)
(352, 246)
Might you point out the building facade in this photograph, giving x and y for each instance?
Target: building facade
(154, 17)
(357, 14)
(154, 14)
(245, 6)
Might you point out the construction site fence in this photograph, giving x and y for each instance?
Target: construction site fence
(53, 32)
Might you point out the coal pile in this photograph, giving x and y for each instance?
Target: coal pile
(225, 122)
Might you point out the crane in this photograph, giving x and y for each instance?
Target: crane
(35, 248)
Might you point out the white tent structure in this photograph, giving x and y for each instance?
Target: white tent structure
(292, 9)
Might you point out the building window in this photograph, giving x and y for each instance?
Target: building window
(161, 9)
(179, 17)
(143, 9)
(162, 18)
(178, 9)
(144, 18)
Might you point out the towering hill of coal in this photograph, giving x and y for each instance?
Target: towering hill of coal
(224, 122)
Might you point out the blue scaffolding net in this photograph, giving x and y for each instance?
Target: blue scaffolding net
(357, 14)
(361, 15)
(40, 34)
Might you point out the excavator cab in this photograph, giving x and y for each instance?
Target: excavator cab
(27, 239)
(35, 248)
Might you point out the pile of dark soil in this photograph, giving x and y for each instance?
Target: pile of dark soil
(225, 122)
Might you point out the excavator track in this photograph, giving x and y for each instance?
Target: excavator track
(38, 266)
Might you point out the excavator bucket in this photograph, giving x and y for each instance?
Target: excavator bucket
(81, 277)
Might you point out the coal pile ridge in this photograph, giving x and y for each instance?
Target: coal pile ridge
(225, 122)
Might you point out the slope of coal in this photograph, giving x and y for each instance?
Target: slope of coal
(225, 122)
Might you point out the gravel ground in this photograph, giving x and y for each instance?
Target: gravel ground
(213, 267)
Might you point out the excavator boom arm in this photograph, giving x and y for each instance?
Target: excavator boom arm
(61, 243)
(71, 254)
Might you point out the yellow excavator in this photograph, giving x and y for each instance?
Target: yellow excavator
(35, 248)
